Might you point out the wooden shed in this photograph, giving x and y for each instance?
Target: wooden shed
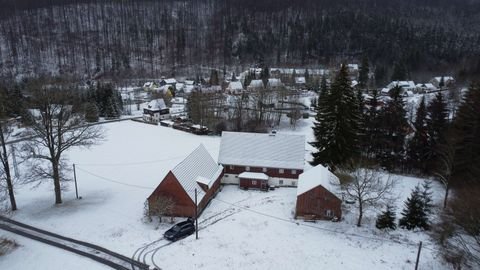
(253, 180)
(317, 195)
(198, 171)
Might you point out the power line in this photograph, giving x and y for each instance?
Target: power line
(114, 181)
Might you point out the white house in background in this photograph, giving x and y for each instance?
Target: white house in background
(447, 80)
(155, 111)
(170, 81)
(300, 80)
(255, 84)
(404, 85)
(426, 87)
(274, 83)
(252, 157)
(235, 87)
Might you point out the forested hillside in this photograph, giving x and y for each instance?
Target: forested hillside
(128, 38)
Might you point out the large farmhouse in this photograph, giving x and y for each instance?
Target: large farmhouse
(155, 111)
(316, 198)
(254, 160)
(196, 172)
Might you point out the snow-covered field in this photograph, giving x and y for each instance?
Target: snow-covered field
(239, 229)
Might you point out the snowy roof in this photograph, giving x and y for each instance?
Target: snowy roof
(317, 176)
(170, 81)
(198, 166)
(256, 83)
(402, 84)
(156, 104)
(299, 71)
(445, 78)
(253, 175)
(352, 66)
(179, 86)
(189, 82)
(189, 88)
(354, 83)
(237, 85)
(148, 84)
(299, 80)
(426, 85)
(262, 150)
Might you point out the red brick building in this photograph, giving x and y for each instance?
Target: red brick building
(317, 195)
(281, 157)
(197, 171)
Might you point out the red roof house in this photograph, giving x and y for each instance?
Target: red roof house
(198, 171)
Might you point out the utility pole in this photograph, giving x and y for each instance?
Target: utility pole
(75, 179)
(196, 216)
(418, 255)
(14, 159)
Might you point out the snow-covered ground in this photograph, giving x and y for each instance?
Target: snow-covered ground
(240, 229)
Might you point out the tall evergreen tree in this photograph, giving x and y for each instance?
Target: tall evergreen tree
(363, 73)
(336, 126)
(323, 86)
(372, 126)
(437, 125)
(413, 215)
(307, 77)
(467, 136)
(417, 148)
(394, 127)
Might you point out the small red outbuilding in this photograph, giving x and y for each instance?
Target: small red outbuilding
(316, 195)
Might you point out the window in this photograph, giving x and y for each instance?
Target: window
(280, 182)
(293, 183)
(294, 171)
(328, 213)
(264, 170)
(254, 182)
(226, 175)
(247, 168)
(281, 170)
(232, 167)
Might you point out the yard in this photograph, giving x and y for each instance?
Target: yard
(239, 229)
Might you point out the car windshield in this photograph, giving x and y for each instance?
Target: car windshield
(176, 228)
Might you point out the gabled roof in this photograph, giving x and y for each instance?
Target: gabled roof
(170, 81)
(256, 83)
(200, 167)
(156, 104)
(237, 85)
(262, 150)
(445, 78)
(317, 176)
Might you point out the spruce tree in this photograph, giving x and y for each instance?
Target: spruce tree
(467, 138)
(427, 197)
(323, 86)
(413, 215)
(437, 125)
(336, 127)
(393, 125)
(372, 126)
(417, 149)
(307, 77)
(386, 220)
(363, 73)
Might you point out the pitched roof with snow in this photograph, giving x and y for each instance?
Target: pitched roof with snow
(445, 78)
(198, 167)
(262, 150)
(317, 176)
(256, 83)
(170, 81)
(237, 85)
(157, 104)
(253, 175)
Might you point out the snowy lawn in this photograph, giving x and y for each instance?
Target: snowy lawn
(256, 232)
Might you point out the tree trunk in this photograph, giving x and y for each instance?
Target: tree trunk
(360, 214)
(445, 200)
(6, 167)
(56, 182)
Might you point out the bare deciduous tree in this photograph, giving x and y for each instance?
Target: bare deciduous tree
(160, 207)
(56, 128)
(5, 174)
(368, 188)
(446, 159)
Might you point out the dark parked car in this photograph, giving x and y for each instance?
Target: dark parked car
(180, 230)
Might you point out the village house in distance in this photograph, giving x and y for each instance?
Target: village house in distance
(197, 171)
(316, 198)
(253, 160)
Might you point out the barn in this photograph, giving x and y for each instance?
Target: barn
(317, 195)
(198, 171)
(249, 158)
